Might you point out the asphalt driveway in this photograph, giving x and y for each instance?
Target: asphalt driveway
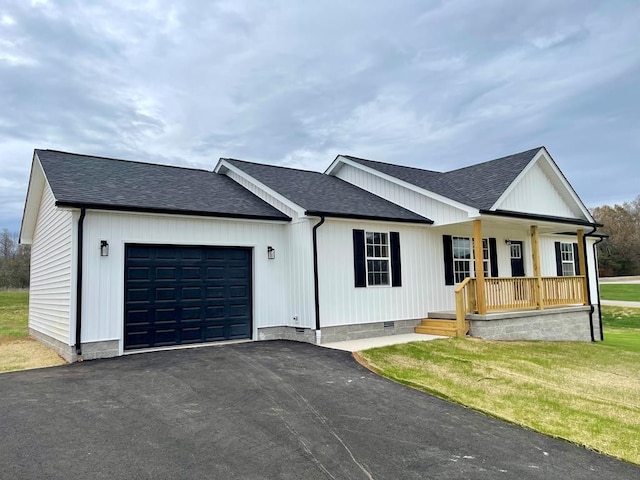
(260, 410)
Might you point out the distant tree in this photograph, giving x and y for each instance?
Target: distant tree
(620, 253)
(14, 261)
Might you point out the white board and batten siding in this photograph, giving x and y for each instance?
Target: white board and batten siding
(50, 291)
(422, 290)
(536, 193)
(438, 211)
(103, 282)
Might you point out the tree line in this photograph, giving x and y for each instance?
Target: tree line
(14, 261)
(620, 253)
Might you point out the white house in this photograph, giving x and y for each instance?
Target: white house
(129, 255)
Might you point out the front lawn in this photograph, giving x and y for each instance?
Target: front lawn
(587, 393)
(627, 292)
(17, 350)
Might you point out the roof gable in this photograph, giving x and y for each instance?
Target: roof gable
(543, 181)
(320, 194)
(106, 183)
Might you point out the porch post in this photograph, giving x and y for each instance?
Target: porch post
(582, 261)
(481, 300)
(535, 252)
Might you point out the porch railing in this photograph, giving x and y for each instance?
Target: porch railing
(518, 293)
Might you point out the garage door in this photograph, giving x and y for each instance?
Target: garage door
(177, 295)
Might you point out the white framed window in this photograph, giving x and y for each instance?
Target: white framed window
(516, 251)
(461, 258)
(568, 261)
(464, 256)
(378, 258)
(486, 258)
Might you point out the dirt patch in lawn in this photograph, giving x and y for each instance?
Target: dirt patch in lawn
(26, 353)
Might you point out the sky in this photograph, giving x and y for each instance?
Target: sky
(432, 84)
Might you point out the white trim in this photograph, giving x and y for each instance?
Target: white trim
(35, 190)
(223, 164)
(471, 211)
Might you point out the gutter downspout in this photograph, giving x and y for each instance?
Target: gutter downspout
(595, 258)
(83, 212)
(586, 277)
(316, 292)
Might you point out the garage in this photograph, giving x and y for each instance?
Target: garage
(176, 295)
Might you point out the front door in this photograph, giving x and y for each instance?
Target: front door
(517, 260)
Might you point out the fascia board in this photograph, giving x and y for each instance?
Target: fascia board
(223, 164)
(35, 189)
(427, 193)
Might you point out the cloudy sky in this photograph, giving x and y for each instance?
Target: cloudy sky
(434, 84)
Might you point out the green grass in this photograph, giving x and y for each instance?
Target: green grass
(14, 308)
(587, 393)
(629, 292)
(621, 327)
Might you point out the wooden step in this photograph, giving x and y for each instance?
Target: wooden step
(439, 326)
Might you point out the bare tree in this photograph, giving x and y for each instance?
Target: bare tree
(620, 253)
(14, 261)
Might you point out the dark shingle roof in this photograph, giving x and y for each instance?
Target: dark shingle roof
(478, 186)
(318, 193)
(98, 182)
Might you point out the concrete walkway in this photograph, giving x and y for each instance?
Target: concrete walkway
(619, 303)
(365, 343)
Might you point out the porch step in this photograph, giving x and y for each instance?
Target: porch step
(439, 326)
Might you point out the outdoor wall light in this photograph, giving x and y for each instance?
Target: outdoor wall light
(507, 242)
(271, 253)
(104, 248)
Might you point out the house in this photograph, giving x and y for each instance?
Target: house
(129, 255)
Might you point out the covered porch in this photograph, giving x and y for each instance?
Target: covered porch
(482, 302)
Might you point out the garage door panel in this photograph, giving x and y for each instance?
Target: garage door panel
(165, 315)
(138, 273)
(165, 294)
(139, 295)
(214, 293)
(177, 295)
(167, 273)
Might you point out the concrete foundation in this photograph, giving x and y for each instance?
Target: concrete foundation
(566, 323)
(90, 350)
(367, 330)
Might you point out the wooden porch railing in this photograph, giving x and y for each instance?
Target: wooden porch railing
(517, 293)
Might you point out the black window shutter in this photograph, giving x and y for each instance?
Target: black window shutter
(558, 259)
(359, 267)
(396, 268)
(493, 257)
(576, 260)
(448, 259)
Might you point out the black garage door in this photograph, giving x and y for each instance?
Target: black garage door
(176, 295)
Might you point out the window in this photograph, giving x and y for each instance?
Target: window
(459, 257)
(516, 251)
(485, 257)
(377, 258)
(568, 261)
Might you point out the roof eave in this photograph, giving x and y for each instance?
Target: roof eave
(544, 218)
(169, 211)
(317, 213)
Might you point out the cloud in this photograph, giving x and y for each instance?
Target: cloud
(432, 84)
